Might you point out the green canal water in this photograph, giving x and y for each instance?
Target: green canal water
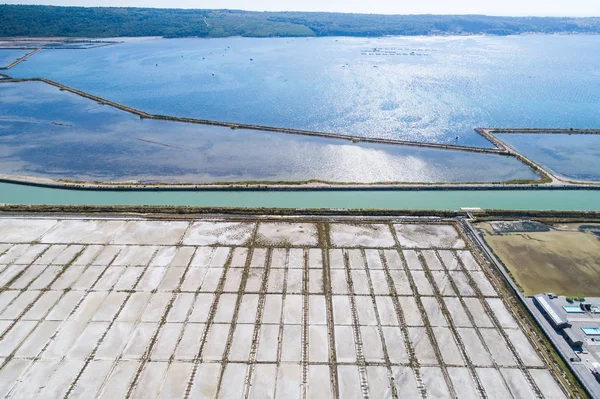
(430, 199)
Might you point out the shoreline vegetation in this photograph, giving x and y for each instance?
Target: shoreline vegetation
(103, 22)
(312, 185)
(175, 211)
(307, 185)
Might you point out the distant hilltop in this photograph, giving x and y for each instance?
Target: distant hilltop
(49, 21)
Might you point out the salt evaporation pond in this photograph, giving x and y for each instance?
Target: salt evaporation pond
(47, 132)
(574, 156)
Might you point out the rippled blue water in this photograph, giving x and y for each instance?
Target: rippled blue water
(573, 156)
(449, 86)
(51, 133)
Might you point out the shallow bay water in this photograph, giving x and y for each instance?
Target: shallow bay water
(46, 132)
(435, 89)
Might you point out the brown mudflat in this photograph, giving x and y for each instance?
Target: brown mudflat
(563, 260)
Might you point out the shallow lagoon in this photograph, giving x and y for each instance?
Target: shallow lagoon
(449, 86)
(51, 133)
(574, 156)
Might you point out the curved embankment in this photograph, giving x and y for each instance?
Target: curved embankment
(489, 134)
(19, 60)
(547, 177)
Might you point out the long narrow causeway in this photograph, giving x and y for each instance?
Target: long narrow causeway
(19, 60)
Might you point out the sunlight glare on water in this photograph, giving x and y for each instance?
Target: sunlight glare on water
(413, 88)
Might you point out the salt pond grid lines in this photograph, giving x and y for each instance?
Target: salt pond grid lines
(128, 307)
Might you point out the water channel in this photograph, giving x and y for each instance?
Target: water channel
(581, 200)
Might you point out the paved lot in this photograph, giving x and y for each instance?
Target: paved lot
(143, 308)
(589, 353)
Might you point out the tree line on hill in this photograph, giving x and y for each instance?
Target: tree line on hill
(51, 21)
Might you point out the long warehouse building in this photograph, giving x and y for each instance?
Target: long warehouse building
(558, 321)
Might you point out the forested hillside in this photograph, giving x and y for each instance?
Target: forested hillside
(21, 20)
